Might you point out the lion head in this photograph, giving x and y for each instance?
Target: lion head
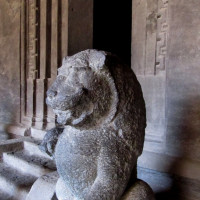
(94, 89)
(84, 92)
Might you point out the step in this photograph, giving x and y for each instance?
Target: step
(12, 145)
(14, 182)
(27, 163)
(32, 147)
(17, 130)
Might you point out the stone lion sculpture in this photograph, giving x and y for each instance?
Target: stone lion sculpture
(99, 103)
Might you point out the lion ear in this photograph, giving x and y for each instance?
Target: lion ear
(64, 60)
(97, 59)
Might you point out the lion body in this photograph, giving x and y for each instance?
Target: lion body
(100, 103)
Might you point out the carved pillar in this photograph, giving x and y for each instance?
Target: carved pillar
(149, 47)
(45, 40)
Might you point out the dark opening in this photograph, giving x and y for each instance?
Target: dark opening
(112, 27)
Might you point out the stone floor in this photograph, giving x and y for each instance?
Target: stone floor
(21, 164)
(170, 187)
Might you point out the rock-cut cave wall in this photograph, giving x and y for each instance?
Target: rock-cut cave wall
(9, 61)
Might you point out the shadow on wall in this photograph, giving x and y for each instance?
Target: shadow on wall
(183, 140)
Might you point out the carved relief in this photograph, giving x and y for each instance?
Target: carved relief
(149, 36)
(162, 28)
(32, 39)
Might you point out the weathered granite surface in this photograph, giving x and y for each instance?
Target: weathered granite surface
(99, 103)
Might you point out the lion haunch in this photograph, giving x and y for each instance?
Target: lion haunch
(99, 103)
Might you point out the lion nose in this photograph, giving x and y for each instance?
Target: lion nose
(51, 93)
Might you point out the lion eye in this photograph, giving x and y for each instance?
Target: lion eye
(61, 78)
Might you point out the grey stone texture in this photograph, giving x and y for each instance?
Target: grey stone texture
(99, 103)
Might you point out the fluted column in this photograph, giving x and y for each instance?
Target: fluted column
(50, 30)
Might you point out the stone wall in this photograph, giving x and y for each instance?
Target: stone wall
(165, 57)
(183, 80)
(34, 37)
(9, 61)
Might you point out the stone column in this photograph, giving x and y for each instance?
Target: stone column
(50, 30)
